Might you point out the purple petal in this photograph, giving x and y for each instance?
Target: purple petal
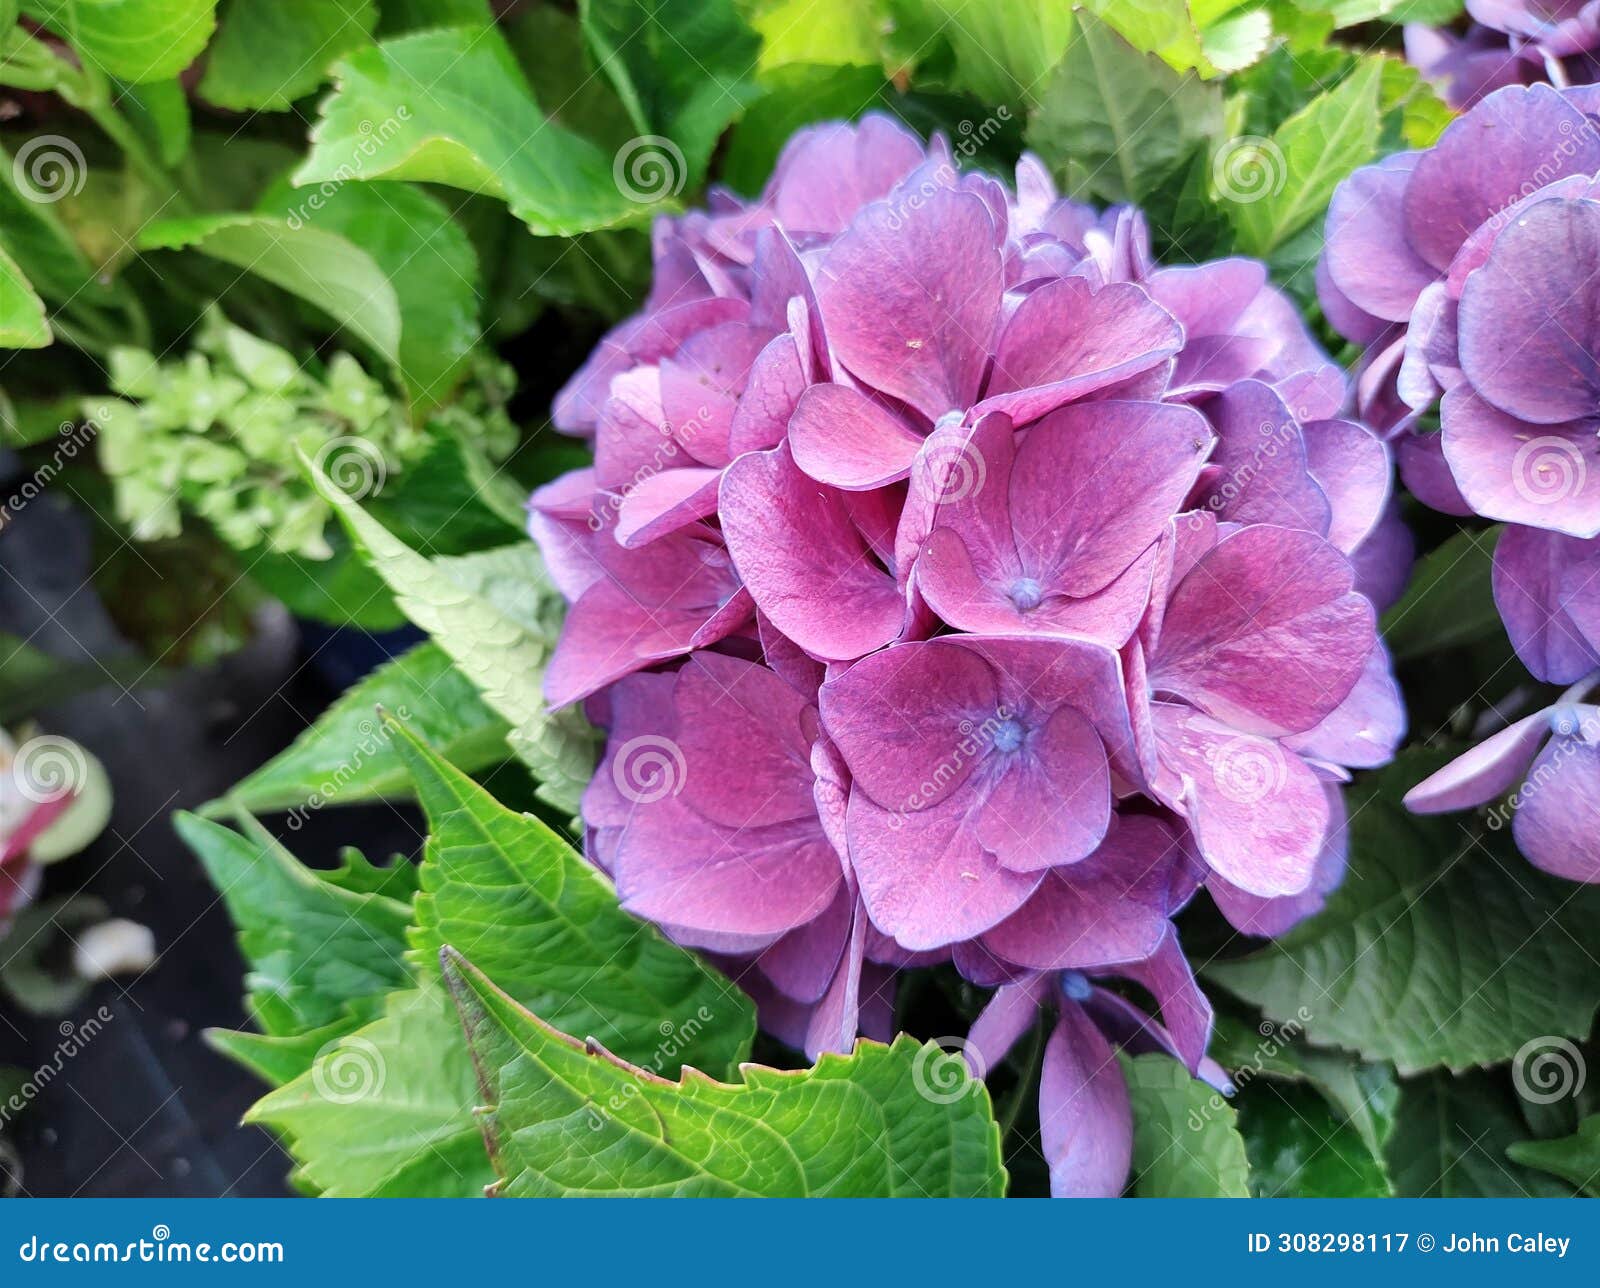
(803, 561)
(911, 300)
(1489, 770)
(1085, 1120)
(1368, 257)
(1532, 585)
(840, 436)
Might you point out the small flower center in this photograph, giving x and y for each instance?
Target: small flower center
(1025, 593)
(1008, 734)
(1075, 985)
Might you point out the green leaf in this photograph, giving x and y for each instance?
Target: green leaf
(1298, 1147)
(1443, 946)
(318, 954)
(133, 40)
(452, 107)
(681, 67)
(347, 756)
(1210, 36)
(428, 260)
(267, 55)
(1117, 124)
(569, 1118)
(399, 16)
(276, 1059)
(341, 590)
(450, 500)
(388, 1111)
(831, 33)
(1004, 49)
(159, 111)
(1452, 1137)
(1574, 1158)
(320, 267)
(31, 679)
(22, 322)
(1186, 1143)
(504, 887)
(1305, 160)
(1450, 601)
(495, 614)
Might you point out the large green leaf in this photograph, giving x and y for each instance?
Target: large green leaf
(1116, 123)
(817, 33)
(1186, 1142)
(1443, 946)
(495, 614)
(505, 888)
(133, 40)
(318, 953)
(1281, 184)
(1004, 49)
(1207, 36)
(569, 1118)
(1298, 1147)
(452, 107)
(22, 321)
(348, 756)
(388, 1111)
(320, 267)
(267, 55)
(1574, 1158)
(1452, 1137)
(682, 69)
(508, 884)
(1450, 601)
(427, 258)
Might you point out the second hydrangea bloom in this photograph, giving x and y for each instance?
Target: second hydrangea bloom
(1025, 587)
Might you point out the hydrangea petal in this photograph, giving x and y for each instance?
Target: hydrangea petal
(1085, 1119)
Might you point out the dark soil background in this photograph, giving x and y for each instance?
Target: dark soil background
(146, 1108)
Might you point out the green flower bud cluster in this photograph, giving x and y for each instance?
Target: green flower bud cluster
(214, 433)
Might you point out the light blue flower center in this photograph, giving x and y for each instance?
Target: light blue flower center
(1075, 985)
(1008, 735)
(952, 417)
(1025, 593)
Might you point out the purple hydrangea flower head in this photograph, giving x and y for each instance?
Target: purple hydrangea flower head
(1509, 42)
(943, 560)
(1469, 271)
